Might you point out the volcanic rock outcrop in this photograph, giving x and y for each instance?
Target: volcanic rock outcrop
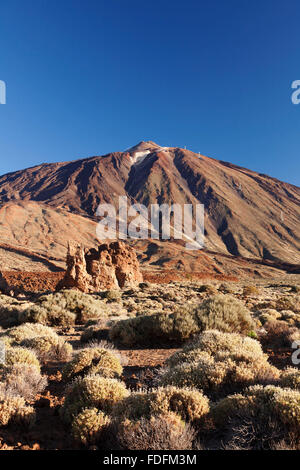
(111, 266)
(3, 284)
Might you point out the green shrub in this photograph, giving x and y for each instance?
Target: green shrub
(47, 344)
(89, 425)
(92, 391)
(189, 404)
(224, 313)
(177, 327)
(93, 360)
(219, 363)
(26, 331)
(260, 402)
(221, 312)
(64, 308)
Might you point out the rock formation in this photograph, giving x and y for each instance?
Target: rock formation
(111, 266)
(4, 289)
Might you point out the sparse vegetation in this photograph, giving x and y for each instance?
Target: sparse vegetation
(92, 391)
(65, 308)
(162, 432)
(89, 425)
(224, 313)
(219, 363)
(190, 404)
(259, 404)
(93, 360)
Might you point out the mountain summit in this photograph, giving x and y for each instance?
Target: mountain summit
(247, 214)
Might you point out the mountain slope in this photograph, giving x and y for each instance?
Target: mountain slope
(246, 213)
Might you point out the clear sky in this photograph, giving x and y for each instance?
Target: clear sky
(86, 77)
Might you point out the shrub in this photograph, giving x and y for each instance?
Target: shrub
(208, 289)
(219, 363)
(290, 378)
(212, 341)
(92, 391)
(49, 347)
(222, 312)
(57, 316)
(291, 302)
(10, 309)
(64, 308)
(19, 355)
(162, 432)
(22, 379)
(93, 360)
(279, 334)
(295, 289)
(26, 331)
(89, 425)
(42, 339)
(13, 410)
(249, 291)
(112, 295)
(262, 403)
(177, 327)
(190, 404)
(93, 332)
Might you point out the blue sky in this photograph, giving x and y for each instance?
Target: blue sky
(89, 77)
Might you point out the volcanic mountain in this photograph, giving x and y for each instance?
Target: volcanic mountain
(247, 214)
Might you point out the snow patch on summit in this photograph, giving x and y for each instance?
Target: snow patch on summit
(138, 157)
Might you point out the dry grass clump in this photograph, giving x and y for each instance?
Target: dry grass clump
(290, 378)
(92, 391)
(21, 380)
(222, 312)
(189, 404)
(259, 404)
(219, 363)
(19, 355)
(89, 426)
(93, 360)
(64, 308)
(250, 291)
(162, 432)
(13, 410)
